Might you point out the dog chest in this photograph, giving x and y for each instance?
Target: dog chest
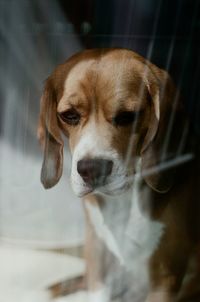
(128, 234)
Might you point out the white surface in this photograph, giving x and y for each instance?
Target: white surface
(31, 214)
(26, 274)
(79, 297)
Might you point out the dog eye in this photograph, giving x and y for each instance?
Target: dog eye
(124, 118)
(71, 117)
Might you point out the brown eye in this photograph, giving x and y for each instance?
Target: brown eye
(124, 118)
(71, 117)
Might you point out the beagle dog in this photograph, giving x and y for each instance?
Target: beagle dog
(134, 164)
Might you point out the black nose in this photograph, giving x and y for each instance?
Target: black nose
(94, 171)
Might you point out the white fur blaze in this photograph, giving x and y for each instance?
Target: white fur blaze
(93, 144)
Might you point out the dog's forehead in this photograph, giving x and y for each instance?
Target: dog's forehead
(112, 74)
(101, 68)
(81, 73)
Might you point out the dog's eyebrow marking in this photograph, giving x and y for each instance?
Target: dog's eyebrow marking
(74, 100)
(74, 91)
(76, 75)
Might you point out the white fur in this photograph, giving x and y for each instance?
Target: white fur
(141, 229)
(94, 144)
(123, 212)
(103, 231)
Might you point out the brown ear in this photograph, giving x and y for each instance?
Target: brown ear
(162, 144)
(50, 138)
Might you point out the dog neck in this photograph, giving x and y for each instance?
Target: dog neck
(124, 224)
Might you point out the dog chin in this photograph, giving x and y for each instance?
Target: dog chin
(113, 191)
(79, 188)
(82, 191)
(105, 190)
(113, 188)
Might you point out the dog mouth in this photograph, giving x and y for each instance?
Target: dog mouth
(113, 187)
(120, 180)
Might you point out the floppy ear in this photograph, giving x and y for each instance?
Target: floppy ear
(50, 138)
(162, 144)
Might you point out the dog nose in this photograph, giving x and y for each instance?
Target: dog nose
(94, 171)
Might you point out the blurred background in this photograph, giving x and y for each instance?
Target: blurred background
(35, 36)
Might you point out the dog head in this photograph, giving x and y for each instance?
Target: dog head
(114, 107)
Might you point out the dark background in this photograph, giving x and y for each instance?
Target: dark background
(37, 35)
